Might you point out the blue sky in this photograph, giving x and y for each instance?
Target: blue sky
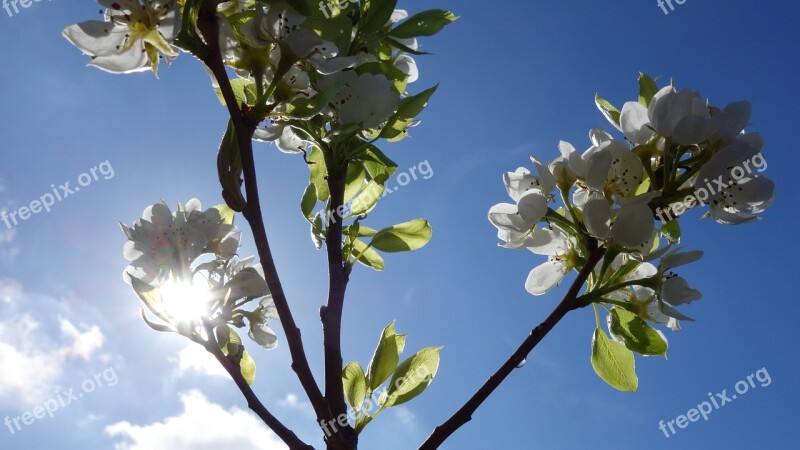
(514, 82)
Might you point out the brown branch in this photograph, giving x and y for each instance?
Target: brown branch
(245, 127)
(568, 303)
(286, 435)
(331, 314)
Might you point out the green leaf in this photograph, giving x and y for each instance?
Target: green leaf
(151, 297)
(248, 367)
(672, 231)
(609, 111)
(367, 255)
(365, 201)
(363, 231)
(229, 169)
(409, 108)
(375, 14)
(308, 107)
(318, 173)
(378, 165)
(637, 335)
(243, 89)
(309, 201)
(426, 23)
(404, 48)
(157, 326)
(413, 376)
(403, 237)
(384, 360)
(355, 181)
(317, 231)
(613, 363)
(226, 214)
(355, 385)
(647, 89)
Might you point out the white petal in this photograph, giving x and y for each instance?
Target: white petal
(546, 178)
(532, 206)
(633, 226)
(133, 60)
(544, 241)
(598, 164)
(504, 216)
(677, 259)
(635, 122)
(545, 277)
(97, 38)
(597, 217)
(676, 291)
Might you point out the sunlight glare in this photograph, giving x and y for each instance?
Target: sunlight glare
(185, 301)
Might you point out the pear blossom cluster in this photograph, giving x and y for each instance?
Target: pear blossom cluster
(184, 265)
(132, 37)
(609, 195)
(347, 77)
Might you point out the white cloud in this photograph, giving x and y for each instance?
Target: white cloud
(293, 401)
(10, 290)
(202, 425)
(85, 343)
(405, 416)
(195, 358)
(31, 363)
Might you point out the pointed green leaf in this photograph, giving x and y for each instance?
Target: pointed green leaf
(375, 14)
(672, 231)
(413, 376)
(426, 23)
(403, 237)
(384, 360)
(248, 367)
(243, 89)
(308, 107)
(355, 385)
(609, 111)
(226, 214)
(318, 173)
(367, 199)
(613, 362)
(309, 201)
(647, 89)
(151, 297)
(637, 335)
(367, 255)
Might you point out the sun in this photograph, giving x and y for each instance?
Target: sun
(185, 301)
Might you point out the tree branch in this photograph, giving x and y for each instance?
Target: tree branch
(331, 314)
(244, 127)
(568, 303)
(286, 435)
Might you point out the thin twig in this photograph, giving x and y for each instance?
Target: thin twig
(569, 303)
(286, 435)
